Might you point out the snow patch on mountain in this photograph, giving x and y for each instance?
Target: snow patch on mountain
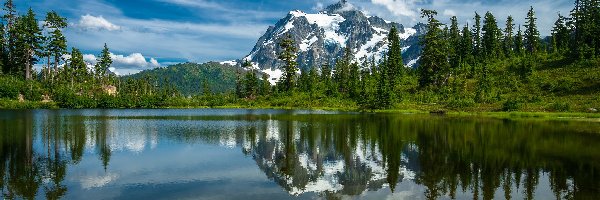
(329, 23)
(229, 62)
(305, 45)
(413, 62)
(274, 75)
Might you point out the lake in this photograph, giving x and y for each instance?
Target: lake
(293, 154)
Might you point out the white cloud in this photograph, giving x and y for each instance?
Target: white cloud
(134, 60)
(449, 13)
(89, 22)
(404, 8)
(126, 64)
(90, 58)
(195, 3)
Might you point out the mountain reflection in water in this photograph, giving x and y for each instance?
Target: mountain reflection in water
(47, 154)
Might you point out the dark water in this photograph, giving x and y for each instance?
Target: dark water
(275, 154)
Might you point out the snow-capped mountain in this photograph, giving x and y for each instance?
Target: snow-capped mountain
(321, 38)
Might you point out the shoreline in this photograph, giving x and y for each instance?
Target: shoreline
(570, 116)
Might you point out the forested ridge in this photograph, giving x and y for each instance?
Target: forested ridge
(490, 65)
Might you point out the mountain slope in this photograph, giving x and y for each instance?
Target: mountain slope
(188, 78)
(322, 37)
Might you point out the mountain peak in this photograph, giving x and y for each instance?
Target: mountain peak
(321, 38)
(339, 7)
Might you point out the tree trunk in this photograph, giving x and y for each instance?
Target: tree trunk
(27, 65)
(48, 71)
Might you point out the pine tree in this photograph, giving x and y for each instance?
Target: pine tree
(3, 53)
(326, 81)
(28, 42)
(342, 72)
(560, 35)
(585, 20)
(10, 15)
(250, 81)
(519, 44)
(313, 79)
(433, 62)
(10, 62)
(288, 56)
(77, 69)
(103, 64)
(454, 52)
(56, 41)
(395, 64)
(532, 35)
(354, 81)
(509, 42)
(491, 41)
(466, 49)
(265, 88)
(477, 51)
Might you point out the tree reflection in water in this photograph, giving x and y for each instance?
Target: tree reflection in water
(331, 155)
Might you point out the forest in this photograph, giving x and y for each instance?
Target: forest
(479, 67)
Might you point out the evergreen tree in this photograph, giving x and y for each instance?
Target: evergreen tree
(10, 11)
(56, 41)
(288, 56)
(103, 64)
(509, 42)
(433, 62)
(312, 81)
(250, 81)
(354, 81)
(28, 42)
(477, 51)
(395, 65)
(454, 52)
(519, 44)
(532, 35)
(77, 63)
(265, 88)
(466, 48)
(327, 84)
(560, 35)
(491, 41)
(342, 72)
(3, 52)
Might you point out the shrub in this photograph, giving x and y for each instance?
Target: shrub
(460, 103)
(559, 107)
(511, 105)
(10, 87)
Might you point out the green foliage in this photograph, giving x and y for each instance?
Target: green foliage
(288, 56)
(512, 105)
(559, 107)
(188, 78)
(532, 35)
(10, 87)
(434, 66)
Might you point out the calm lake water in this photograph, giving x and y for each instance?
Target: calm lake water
(279, 154)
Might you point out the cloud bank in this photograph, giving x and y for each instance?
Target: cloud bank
(89, 22)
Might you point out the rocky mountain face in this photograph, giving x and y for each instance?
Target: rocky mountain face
(321, 38)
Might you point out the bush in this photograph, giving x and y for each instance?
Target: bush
(460, 103)
(10, 87)
(511, 105)
(559, 107)
(66, 98)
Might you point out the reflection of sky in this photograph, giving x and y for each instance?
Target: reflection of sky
(159, 158)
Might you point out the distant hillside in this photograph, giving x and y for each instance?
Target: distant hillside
(188, 77)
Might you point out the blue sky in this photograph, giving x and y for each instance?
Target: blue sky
(148, 33)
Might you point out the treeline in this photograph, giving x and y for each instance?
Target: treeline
(476, 65)
(65, 79)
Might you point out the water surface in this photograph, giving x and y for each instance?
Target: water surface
(282, 154)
